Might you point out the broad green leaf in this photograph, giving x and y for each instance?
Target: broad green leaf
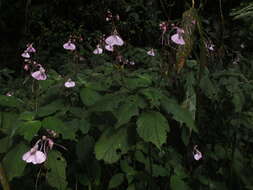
(108, 102)
(59, 126)
(82, 125)
(116, 180)
(28, 129)
(10, 101)
(111, 145)
(126, 168)
(141, 81)
(177, 183)
(126, 112)
(159, 171)
(89, 96)
(5, 144)
(179, 114)
(13, 163)
(50, 108)
(153, 127)
(56, 174)
(8, 122)
(27, 116)
(153, 95)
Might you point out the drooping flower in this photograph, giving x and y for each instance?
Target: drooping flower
(26, 55)
(40, 74)
(30, 48)
(151, 52)
(34, 156)
(196, 153)
(98, 50)
(114, 40)
(178, 38)
(69, 84)
(69, 46)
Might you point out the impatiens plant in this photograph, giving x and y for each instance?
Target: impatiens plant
(96, 112)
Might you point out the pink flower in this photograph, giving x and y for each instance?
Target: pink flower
(177, 38)
(132, 63)
(9, 94)
(26, 67)
(25, 54)
(40, 74)
(196, 153)
(210, 46)
(151, 52)
(109, 47)
(69, 84)
(69, 46)
(34, 156)
(114, 40)
(30, 48)
(98, 50)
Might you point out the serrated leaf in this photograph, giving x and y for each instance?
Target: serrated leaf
(89, 96)
(59, 126)
(13, 163)
(153, 127)
(56, 174)
(116, 180)
(111, 145)
(153, 95)
(28, 129)
(179, 114)
(126, 112)
(177, 183)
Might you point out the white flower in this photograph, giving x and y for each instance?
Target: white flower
(69, 84)
(40, 74)
(25, 54)
(34, 156)
(196, 153)
(178, 39)
(98, 50)
(151, 52)
(114, 40)
(69, 46)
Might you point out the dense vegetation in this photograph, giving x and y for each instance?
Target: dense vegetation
(126, 94)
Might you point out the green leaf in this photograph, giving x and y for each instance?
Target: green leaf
(10, 101)
(28, 129)
(8, 122)
(138, 82)
(59, 126)
(56, 175)
(153, 127)
(159, 170)
(177, 183)
(85, 148)
(126, 112)
(13, 163)
(5, 144)
(116, 180)
(179, 114)
(111, 145)
(89, 96)
(50, 108)
(27, 116)
(153, 95)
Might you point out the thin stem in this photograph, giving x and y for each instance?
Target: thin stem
(3, 178)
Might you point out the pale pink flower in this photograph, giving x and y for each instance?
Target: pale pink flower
(69, 84)
(132, 63)
(26, 67)
(69, 46)
(210, 47)
(151, 52)
(34, 156)
(40, 74)
(109, 47)
(30, 48)
(196, 153)
(25, 54)
(98, 50)
(178, 38)
(114, 40)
